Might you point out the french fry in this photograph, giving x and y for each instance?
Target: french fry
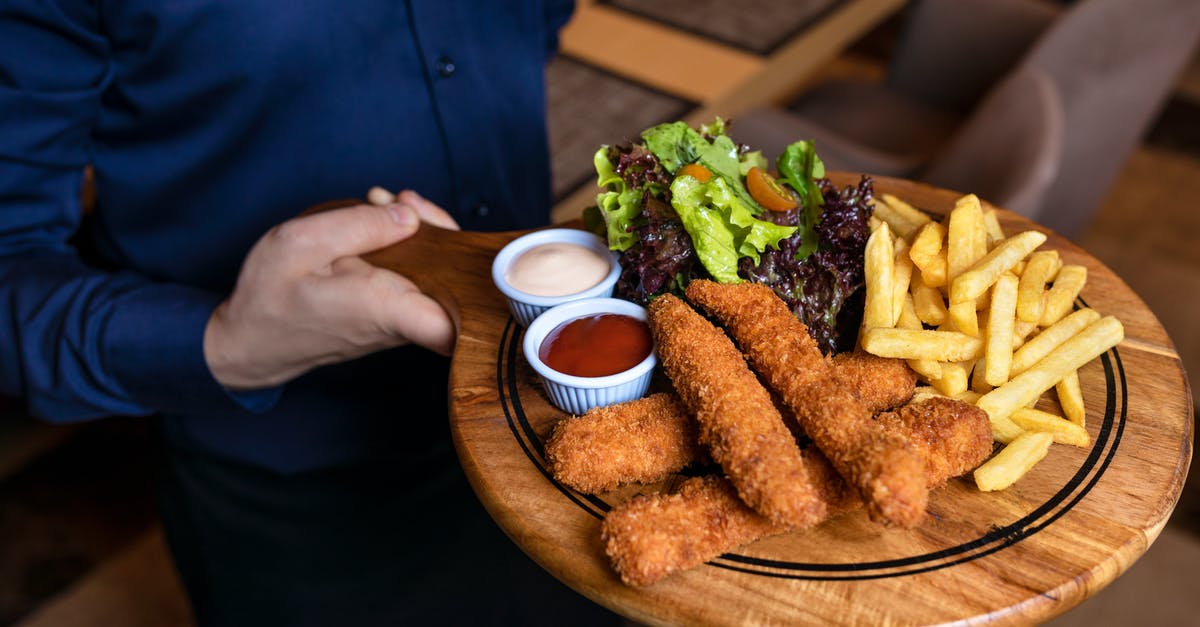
(878, 262)
(902, 271)
(1042, 267)
(982, 304)
(953, 380)
(999, 349)
(927, 369)
(966, 236)
(896, 221)
(965, 318)
(1067, 285)
(979, 375)
(928, 253)
(1083, 347)
(970, 396)
(1013, 461)
(976, 280)
(927, 301)
(924, 392)
(1059, 298)
(991, 223)
(908, 320)
(1004, 430)
(1050, 338)
(920, 344)
(910, 213)
(1070, 398)
(1063, 430)
(1021, 330)
(1005, 332)
(908, 316)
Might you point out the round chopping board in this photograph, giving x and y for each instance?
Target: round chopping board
(1067, 529)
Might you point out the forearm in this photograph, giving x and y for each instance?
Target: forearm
(79, 343)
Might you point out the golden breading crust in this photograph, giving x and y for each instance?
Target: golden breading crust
(883, 468)
(739, 423)
(654, 535)
(880, 382)
(640, 441)
(953, 436)
(648, 439)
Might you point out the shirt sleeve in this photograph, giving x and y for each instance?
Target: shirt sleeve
(77, 342)
(558, 13)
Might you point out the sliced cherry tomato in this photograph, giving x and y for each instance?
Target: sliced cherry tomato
(768, 192)
(696, 171)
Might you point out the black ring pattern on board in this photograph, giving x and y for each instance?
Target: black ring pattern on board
(1104, 448)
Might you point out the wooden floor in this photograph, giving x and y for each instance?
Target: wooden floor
(1145, 231)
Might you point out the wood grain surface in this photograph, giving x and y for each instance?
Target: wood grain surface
(1062, 533)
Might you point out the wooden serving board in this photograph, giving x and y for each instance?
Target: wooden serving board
(1062, 533)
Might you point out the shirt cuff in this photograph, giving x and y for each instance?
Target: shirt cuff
(156, 348)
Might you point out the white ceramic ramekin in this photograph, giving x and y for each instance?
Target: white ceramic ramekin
(525, 307)
(574, 394)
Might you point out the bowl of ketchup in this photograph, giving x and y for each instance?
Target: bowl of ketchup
(591, 352)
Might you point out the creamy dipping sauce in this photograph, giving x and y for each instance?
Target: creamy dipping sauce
(557, 269)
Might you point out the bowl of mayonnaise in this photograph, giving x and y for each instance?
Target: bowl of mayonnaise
(550, 267)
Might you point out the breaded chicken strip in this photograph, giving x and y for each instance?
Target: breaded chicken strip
(953, 437)
(739, 424)
(879, 382)
(883, 468)
(654, 535)
(640, 441)
(648, 439)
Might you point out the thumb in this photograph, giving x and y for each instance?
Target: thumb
(350, 231)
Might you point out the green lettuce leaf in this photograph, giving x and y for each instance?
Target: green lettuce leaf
(716, 127)
(801, 166)
(755, 235)
(677, 144)
(722, 227)
(672, 143)
(752, 159)
(619, 205)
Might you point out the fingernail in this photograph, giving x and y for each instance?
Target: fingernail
(402, 214)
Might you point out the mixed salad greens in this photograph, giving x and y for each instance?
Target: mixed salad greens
(685, 203)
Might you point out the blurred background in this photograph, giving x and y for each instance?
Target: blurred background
(1083, 115)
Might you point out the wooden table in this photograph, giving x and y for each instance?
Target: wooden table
(1062, 533)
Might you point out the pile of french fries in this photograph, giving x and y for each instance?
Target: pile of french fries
(985, 318)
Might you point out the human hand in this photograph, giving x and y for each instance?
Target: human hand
(305, 298)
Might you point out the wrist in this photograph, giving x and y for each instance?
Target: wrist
(225, 361)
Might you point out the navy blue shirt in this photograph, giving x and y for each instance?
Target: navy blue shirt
(206, 123)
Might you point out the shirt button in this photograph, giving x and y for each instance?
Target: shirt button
(445, 67)
(482, 210)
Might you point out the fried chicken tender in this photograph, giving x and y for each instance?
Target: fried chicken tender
(654, 535)
(739, 424)
(879, 382)
(648, 439)
(640, 441)
(952, 437)
(883, 468)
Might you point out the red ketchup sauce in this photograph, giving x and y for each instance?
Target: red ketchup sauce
(596, 345)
